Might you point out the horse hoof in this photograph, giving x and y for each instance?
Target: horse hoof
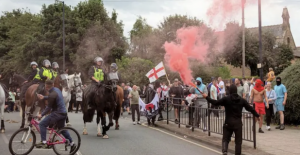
(105, 137)
(85, 133)
(2, 130)
(111, 124)
(99, 135)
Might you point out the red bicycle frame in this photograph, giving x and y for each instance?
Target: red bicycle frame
(36, 125)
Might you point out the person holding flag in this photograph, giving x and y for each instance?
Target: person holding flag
(200, 102)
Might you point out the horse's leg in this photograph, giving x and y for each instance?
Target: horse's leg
(84, 127)
(110, 118)
(99, 134)
(22, 111)
(67, 107)
(104, 127)
(2, 118)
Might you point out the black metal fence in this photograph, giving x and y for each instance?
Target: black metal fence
(209, 119)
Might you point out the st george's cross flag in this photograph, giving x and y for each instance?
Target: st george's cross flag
(156, 72)
(149, 110)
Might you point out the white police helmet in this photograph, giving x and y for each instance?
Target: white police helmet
(97, 59)
(33, 63)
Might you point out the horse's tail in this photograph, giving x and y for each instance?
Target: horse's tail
(88, 115)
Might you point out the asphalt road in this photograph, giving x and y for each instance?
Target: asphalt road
(129, 140)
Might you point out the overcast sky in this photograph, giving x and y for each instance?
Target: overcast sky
(155, 10)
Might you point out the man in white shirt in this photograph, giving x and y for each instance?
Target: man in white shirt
(214, 96)
(222, 88)
(246, 88)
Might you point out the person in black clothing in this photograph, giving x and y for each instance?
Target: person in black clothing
(176, 92)
(125, 104)
(149, 96)
(234, 105)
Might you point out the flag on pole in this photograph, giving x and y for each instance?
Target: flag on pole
(156, 72)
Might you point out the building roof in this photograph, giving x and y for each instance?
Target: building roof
(297, 52)
(276, 30)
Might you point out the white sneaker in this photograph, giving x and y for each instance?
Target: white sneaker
(134, 123)
(139, 123)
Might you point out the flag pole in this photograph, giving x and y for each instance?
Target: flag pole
(166, 74)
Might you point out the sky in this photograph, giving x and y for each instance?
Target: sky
(154, 11)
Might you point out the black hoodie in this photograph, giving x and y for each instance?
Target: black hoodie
(234, 105)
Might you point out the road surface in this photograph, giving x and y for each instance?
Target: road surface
(129, 140)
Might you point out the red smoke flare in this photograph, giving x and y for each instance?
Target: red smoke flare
(188, 45)
(222, 10)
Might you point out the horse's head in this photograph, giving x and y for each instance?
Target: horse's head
(74, 80)
(113, 79)
(64, 80)
(16, 79)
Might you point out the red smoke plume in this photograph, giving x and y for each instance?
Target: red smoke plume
(188, 45)
(222, 10)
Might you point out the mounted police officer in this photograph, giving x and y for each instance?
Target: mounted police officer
(54, 70)
(34, 78)
(97, 74)
(45, 74)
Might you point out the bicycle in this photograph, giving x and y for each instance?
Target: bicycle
(28, 135)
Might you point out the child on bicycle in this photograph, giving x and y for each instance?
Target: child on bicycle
(58, 114)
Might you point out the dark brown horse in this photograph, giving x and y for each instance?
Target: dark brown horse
(119, 100)
(105, 103)
(30, 102)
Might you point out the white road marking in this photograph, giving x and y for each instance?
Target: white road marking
(4, 138)
(183, 139)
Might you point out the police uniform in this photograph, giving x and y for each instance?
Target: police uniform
(98, 74)
(34, 78)
(44, 74)
(54, 70)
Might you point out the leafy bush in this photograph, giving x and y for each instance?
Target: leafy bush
(290, 78)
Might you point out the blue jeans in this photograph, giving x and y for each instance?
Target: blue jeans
(54, 118)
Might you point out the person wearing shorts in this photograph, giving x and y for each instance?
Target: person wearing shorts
(258, 94)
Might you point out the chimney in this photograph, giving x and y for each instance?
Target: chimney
(286, 19)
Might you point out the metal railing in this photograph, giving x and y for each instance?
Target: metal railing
(209, 119)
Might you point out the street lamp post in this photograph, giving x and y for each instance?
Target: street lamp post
(243, 25)
(64, 58)
(260, 41)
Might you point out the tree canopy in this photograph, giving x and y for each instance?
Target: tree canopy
(27, 37)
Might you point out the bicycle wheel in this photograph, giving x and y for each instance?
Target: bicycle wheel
(65, 149)
(19, 140)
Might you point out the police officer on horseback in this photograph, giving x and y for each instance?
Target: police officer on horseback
(97, 75)
(33, 78)
(45, 74)
(54, 70)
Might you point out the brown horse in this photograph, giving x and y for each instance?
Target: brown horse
(30, 102)
(119, 100)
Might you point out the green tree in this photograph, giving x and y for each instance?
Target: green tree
(134, 70)
(283, 58)
(140, 39)
(233, 48)
(290, 78)
(18, 30)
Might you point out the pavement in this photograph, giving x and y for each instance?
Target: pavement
(130, 139)
(274, 142)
